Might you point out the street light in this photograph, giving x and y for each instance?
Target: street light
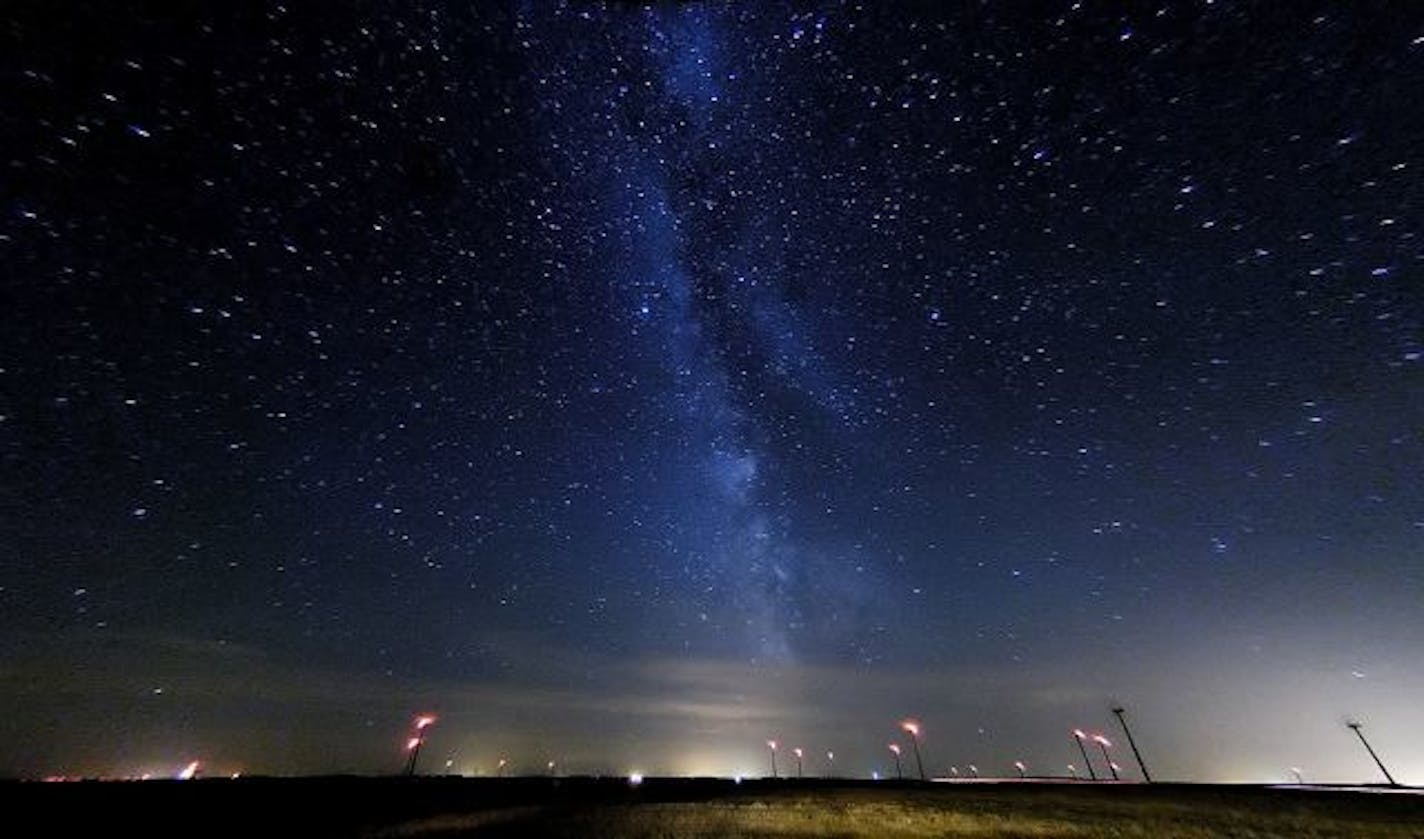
(413, 745)
(1103, 744)
(1023, 770)
(499, 770)
(1356, 726)
(973, 771)
(830, 764)
(771, 744)
(913, 728)
(899, 774)
(1299, 780)
(1073, 771)
(1119, 712)
(797, 751)
(1078, 737)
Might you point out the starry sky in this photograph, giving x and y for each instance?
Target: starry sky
(629, 384)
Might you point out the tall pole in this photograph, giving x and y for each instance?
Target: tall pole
(899, 774)
(797, 751)
(1360, 734)
(1078, 736)
(414, 743)
(771, 744)
(1103, 744)
(914, 729)
(1119, 712)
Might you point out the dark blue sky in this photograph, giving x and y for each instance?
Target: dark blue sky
(631, 384)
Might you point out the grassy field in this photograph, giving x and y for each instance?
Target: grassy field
(529, 808)
(969, 811)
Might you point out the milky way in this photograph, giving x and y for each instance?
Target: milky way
(635, 384)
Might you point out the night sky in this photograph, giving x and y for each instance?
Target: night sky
(628, 385)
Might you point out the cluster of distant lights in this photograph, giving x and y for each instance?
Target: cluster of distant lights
(914, 729)
(191, 771)
(423, 722)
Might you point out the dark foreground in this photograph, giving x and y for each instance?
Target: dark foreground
(585, 807)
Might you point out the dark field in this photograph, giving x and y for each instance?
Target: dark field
(575, 807)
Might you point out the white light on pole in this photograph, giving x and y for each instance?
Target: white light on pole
(912, 727)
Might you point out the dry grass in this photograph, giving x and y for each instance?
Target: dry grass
(456, 824)
(901, 814)
(801, 818)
